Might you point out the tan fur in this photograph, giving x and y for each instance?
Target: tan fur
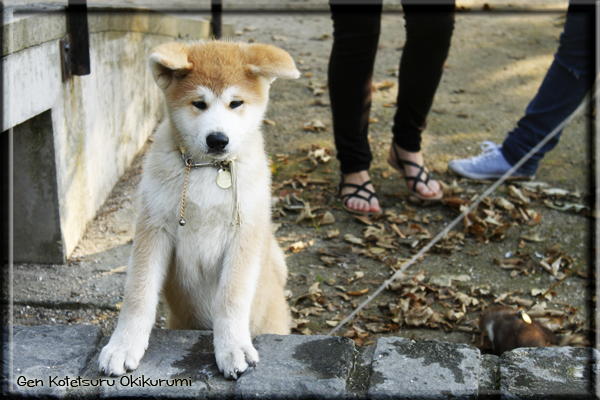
(214, 274)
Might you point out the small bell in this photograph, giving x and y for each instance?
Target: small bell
(182, 222)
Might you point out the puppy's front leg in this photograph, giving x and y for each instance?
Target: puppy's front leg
(152, 251)
(231, 313)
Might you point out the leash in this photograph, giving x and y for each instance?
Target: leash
(478, 200)
(226, 177)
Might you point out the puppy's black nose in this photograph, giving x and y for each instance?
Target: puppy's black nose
(216, 142)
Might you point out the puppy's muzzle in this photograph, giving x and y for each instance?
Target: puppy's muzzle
(216, 142)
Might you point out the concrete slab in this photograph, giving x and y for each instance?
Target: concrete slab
(358, 382)
(549, 373)
(408, 369)
(44, 356)
(86, 285)
(489, 378)
(298, 367)
(177, 364)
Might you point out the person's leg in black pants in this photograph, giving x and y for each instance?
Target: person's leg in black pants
(428, 32)
(350, 74)
(356, 36)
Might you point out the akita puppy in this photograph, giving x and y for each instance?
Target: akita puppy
(203, 232)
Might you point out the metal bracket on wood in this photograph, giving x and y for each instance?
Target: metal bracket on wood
(216, 10)
(65, 57)
(75, 46)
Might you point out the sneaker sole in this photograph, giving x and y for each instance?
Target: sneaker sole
(480, 177)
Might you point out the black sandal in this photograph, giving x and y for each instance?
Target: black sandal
(362, 187)
(416, 179)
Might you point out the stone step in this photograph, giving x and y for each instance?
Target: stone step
(61, 361)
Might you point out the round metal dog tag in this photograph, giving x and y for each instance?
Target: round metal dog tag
(224, 179)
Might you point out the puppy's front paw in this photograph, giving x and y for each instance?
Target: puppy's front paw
(119, 357)
(233, 361)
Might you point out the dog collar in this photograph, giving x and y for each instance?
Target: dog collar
(225, 179)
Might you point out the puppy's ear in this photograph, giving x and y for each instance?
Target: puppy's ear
(271, 62)
(169, 60)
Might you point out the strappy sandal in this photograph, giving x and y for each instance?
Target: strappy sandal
(363, 187)
(416, 179)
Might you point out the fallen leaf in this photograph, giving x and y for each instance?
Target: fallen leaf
(538, 292)
(452, 315)
(314, 289)
(466, 299)
(296, 323)
(306, 213)
(353, 239)
(298, 246)
(359, 292)
(325, 219)
(383, 85)
(517, 195)
(446, 280)
(344, 296)
(357, 275)
(365, 219)
(330, 234)
(418, 316)
(315, 125)
(305, 312)
(378, 327)
(452, 189)
(319, 155)
(535, 237)
(565, 206)
(535, 217)
(503, 203)
(329, 281)
(306, 331)
(318, 91)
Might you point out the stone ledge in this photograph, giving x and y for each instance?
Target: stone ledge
(181, 364)
(407, 369)
(42, 27)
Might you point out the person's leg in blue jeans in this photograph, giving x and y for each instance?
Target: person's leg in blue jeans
(563, 89)
(568, 80)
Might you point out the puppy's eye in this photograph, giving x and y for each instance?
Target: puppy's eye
(200, 105)
(235, 104)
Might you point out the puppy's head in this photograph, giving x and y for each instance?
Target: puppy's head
(216, 91)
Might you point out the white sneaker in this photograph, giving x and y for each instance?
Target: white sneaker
(490, 164)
